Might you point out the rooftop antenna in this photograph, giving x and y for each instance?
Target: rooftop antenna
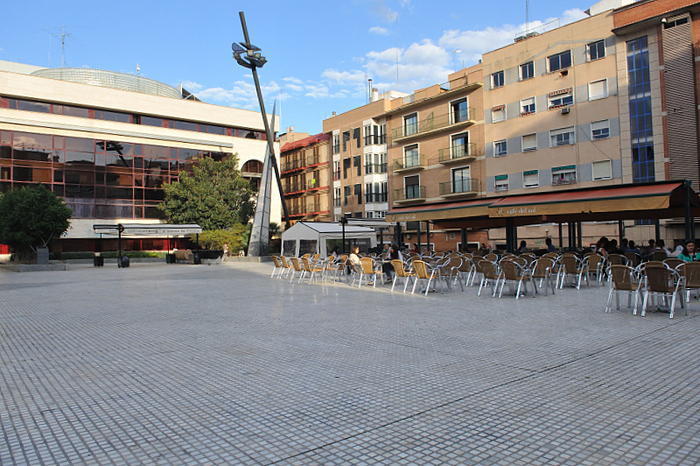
(63, 46)
(527, 16)
(454, 56)
(138, 69)
(396, 17)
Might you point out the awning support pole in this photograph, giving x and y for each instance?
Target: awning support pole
(620, 230)
(689, 221)
(510, 240)
(418, 234)
(464, 239)
(579, 233)
(561, 236)
(427, 235)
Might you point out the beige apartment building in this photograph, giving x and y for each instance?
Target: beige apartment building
(306, 176)
(358, 140)
(436, 157)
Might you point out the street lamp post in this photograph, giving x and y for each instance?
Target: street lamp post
(249, 56)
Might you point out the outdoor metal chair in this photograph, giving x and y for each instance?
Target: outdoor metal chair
(664, 282)
(511, 273)
(424, 275)
(690, 272)
(311, 270)
(401, 272)
(489, 274)
(622, 279)
(542, 271)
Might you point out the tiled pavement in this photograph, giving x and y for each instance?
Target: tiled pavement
(179, 364)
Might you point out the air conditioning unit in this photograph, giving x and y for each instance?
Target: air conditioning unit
(565, 110)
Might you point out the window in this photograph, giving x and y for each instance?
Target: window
(410, 124)
(382, 133)
(336, 170)
(561, 137)
(368, 135)
(531, 179)
(498, 113)
(559, 61)
(561, 98)
(412, 188)
(600, 129)
(346, 138)
(527, 106)
(346, 166)
(498, 79)
(596, 50)
(336, 143)
(461, 182)
(602, 170)
(356, 163)
(501, 183)
(358, 193)
(460, 145)
(675, 22)
(347, 192)
(564, 175)
(356, 136)
(598, 90)
(337, 199)
(529, 142)
(459, 110)
(500, 148)
(411, 158)
(527, 71)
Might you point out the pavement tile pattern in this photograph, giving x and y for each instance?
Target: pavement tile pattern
(196, 365)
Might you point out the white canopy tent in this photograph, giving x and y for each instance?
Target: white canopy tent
(312, 237)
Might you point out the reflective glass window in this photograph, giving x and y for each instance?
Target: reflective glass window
(31, 140)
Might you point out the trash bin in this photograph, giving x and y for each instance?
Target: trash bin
(197, 258)
(125, 261)
(170, 258)
(98, 260)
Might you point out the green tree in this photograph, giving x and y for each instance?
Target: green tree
(31, 218)
(214, 196)
(235, 237)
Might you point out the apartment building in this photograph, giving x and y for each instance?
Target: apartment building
(436, 156)
(358, 140)
(306, 176)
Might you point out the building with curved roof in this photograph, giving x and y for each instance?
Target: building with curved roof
(107, 142)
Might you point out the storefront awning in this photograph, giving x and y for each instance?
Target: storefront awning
(138, 229)
(451, 210)
(621, 200)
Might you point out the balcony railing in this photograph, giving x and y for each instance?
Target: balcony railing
(375, 168)
(301, 163)
(409, 162)
(375, 197)
(457, 153)
(434, 122)
(412, 193)
(463, 187)
(300, 187)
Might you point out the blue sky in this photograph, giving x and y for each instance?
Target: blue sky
(320, 53)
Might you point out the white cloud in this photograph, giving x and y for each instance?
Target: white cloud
(291, 79)
(294, 87)
(344, 77)
(380, 31)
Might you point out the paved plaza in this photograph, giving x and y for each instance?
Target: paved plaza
(197, 365)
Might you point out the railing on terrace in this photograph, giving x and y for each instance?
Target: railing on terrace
(375, 197)
(463, 186)
(409, 193)
(457, 152)
(434, 122)
(375, 168)
(409, 162)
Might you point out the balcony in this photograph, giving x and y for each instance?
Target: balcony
(371, 198)
(300, 188)
(467, 187)
(371, 168)
(457, 153)
(408, 163)
(434, 123)
(310, 161)
(409, 195)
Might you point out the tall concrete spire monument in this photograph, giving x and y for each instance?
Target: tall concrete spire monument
(249, 56)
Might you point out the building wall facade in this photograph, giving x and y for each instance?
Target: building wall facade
(107, 151)
(551, 116)
(306, 178)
